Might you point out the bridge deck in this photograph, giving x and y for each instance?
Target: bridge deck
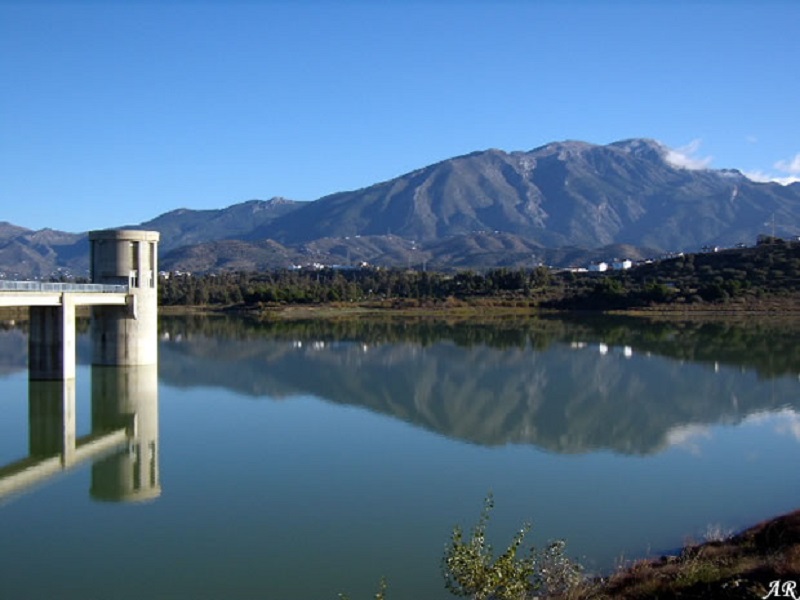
(34, 293)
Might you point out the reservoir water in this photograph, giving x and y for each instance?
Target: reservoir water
(303, 460)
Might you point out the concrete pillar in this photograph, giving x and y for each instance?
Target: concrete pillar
(126, 335)
(127, 397)
(51, 341)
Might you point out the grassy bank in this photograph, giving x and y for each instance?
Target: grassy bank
(742, 566)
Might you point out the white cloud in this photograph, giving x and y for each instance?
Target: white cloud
(762, 177)
(686, 157)
(789, 424)
(751, 139)
(784, 422)
(688, 437)
(757, 176)
(790, 167)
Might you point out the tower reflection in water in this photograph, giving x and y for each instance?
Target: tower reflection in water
(127, 397)
(123, 442)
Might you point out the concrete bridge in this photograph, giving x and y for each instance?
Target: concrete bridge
(124, 300)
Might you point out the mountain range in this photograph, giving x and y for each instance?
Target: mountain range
(563, 203)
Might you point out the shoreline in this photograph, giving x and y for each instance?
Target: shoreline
(485, 310)
(338, 311)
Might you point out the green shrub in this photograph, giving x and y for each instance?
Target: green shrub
(470, 569)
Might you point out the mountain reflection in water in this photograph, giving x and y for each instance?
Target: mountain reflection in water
(617, 384)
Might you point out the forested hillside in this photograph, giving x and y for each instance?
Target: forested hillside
(769, 271)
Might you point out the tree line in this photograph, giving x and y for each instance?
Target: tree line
(767, 271)
(303, 286)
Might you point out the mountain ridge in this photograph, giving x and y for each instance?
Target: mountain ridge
(481, 209)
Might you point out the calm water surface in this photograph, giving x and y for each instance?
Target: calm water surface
(300, 461)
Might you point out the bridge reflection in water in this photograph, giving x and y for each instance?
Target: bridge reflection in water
(123, 442)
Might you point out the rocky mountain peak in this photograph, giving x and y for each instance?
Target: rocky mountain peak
(642, 147)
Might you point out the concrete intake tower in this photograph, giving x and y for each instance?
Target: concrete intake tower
(126, 335)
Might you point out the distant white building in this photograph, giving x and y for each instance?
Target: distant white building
(598, 267)
(621, 265)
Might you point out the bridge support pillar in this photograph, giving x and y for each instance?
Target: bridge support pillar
(51, 343)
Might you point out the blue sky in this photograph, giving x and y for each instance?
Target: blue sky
(112, 113)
